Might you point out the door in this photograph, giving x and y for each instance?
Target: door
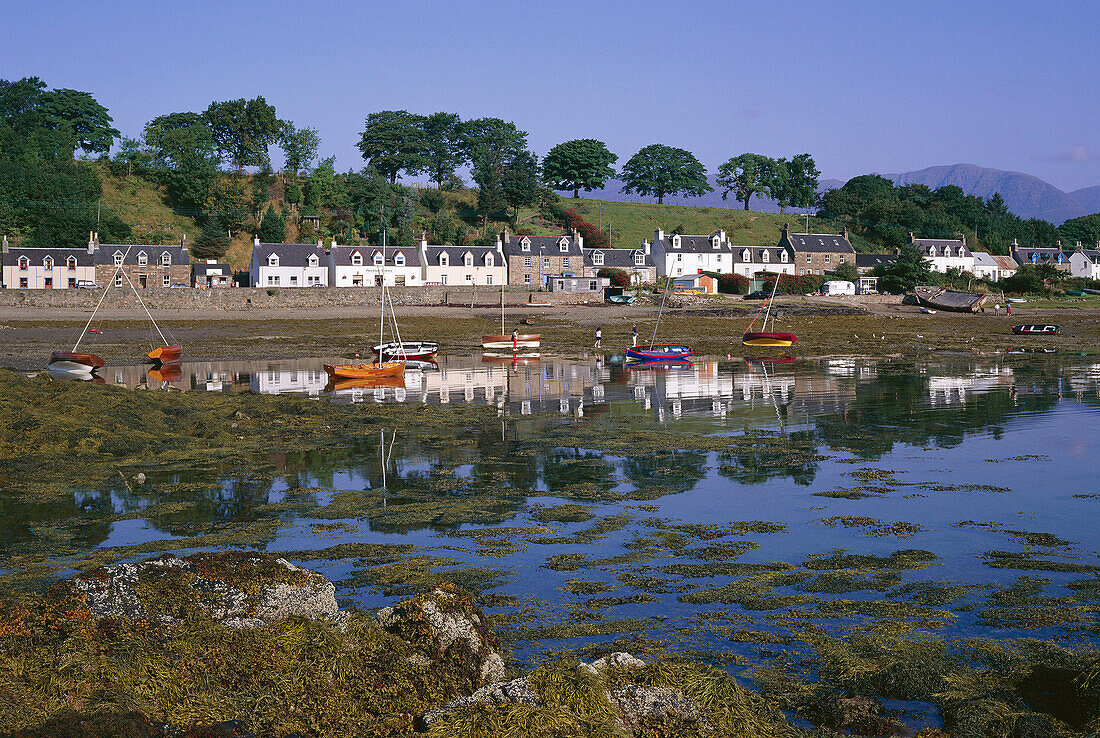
(143, 281)
(49, 283)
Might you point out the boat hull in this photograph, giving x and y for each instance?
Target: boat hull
(523, 340)
(406, 350)
(166, 354)
(621, 300)
(761, 338)
(365, 371)
(1035, 329)
(69, 361)
(658, 352)
(950, 300)
(660, 364)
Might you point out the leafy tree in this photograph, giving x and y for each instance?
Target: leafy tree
(490, 137)
(243, 130)
(183, 155)
(442, 147)
(393, 141)
(213, 242)
(794, 182)
(41, 124)
(1085, 229)
(86, 119)
(659, 170)
(996, 204)
(325, 188)
(581, 163)
(521, 182)
(272, 227)
(132, 158)
(618, 277)
(299, 146)
(910, 269)
(847, 271)
(488, 173)
(747, 174)
(229, 202)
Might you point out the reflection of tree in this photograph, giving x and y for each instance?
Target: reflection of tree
(574, 472)
(664, 472)
(759, 457)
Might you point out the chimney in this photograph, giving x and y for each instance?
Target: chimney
(255, 241)
(321, 242)
(95, 238)
(504, 235)
(845, 233)
(962, 237)
(646, 246)
(578, 238)
(1015, 243)
(658, 236)
(332, 245)
(1079, 248)
(423, 240)
(4, 246)
(786, 232)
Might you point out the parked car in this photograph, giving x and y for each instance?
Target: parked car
(86, 284)
(758, 295)
(178, 285)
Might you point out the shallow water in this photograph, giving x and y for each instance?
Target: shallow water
(956, 494)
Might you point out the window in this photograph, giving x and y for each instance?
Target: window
(947, 251)
(72, 283)
(272, 260)
(826, 258)
(526, 279)
(71, 263)
(444, 260)
(378, 258)
(293, 280)
(675, 242)
(715, 242)
(399, 260)
(489, 260)
(312, 280)
(166, 280)
(313, 260)
(47, 263)
(22, 283)
(527, 262)
(525, 245)
(443, 279)
(470, 278)
(679, 257)
(592, 285)
(639, 259)
(488, 279)
(597, 258)
(166, 259)
(399, 280)
(118, 258)
(356, 259)
(546, 264)
(931, 250)
(783, 256)
(143, 259)
(118, 280)
(565, 263)
(746, 256)
(765, 256)
(468, 259)
(563, 246)
(24, 263)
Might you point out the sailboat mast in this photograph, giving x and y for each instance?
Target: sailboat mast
(769, 311)
(382, 297)
(668, 280)
(98, 304)
(502, 308)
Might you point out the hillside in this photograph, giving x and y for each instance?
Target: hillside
(1088, 198)
(140, 204)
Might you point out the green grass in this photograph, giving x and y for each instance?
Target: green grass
(141, 204)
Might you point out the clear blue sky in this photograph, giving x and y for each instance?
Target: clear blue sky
(863, 86)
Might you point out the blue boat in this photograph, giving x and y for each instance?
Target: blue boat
(658, 352)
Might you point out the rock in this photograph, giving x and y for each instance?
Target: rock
(517, 690)
(140, 478)
(239, 415)
(636, 703)
(619, 658)
(246, 590)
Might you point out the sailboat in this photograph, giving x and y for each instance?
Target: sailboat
(85, 362)
(515, 341)
(380, 369)
(657, 353)
(764, 337)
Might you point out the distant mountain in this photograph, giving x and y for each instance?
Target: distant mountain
(1025, 195)
(1088, 197)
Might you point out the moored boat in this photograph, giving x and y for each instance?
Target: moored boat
(658, 352)
(660, 364)
(950, 300)
(767, 338)
(166, 354)
(519, 340)
(72, 361)
(406, 349)
(365, 371)
(1035, 329)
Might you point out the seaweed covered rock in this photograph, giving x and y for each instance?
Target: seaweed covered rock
(241, 590)
(446, 625)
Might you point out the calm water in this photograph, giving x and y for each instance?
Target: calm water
(971, 479)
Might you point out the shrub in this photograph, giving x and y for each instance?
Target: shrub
(618, 277)
(571, 219)
(733, 284)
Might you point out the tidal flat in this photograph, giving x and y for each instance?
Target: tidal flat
(909, 525)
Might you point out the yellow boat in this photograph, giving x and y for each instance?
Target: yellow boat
(365, 371)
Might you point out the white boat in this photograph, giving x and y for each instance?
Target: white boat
(521, 340)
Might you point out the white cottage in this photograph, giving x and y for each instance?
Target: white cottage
(1085, 262)
(676, 254)
(943, 254)
(288, 265)
(367, 266)
(46, 269)
(463, 265)
(749, 261)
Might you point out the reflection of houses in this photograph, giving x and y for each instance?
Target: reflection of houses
(636, 262)
(368, 266)
(955, 389)
(288, 264)
(277, 380)
(46, 269)
(817, 253)
(676, 254)
(463, 265)
(146, 265)
(943, 253)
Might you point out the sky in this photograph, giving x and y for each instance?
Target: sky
(862, 86)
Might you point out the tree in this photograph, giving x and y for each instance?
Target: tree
(1085, 229)
(393, 141)
(747, 174)
(86, 119)
(184, 158)
(299, 146)
(229, 202)
(582, 163)
(996, 204)
(488, 173)
(213, 242)
(131, 156)
(272, 227)
(325, 188)
(521, 182)
(799, 187)
(847, 271)
(442, 147)
(243, 130)
(659, 170)
(484, 137)
(910, 269)
(41, 124)
(618, 277)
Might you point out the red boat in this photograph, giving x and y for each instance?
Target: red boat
(167, 354)
(75, 362)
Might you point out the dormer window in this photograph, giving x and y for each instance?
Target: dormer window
(947, 251)
(273, 260)
(444, 260)
(931, 250)
(525, 244)
(143, 259)
(70, 263)
(746, 256)
(676, 241)
(399, 259)
(715, 242)
(489, 260)
(47, 263)
(24, 263)
(563, 246)
(356, 258)
(765, 256)
(166, 259)
(313, 260)
(639, 259)
(378, 258)
(1034, 258)
(117, 256)
(783, 256)
(467, 259)
(597, 258)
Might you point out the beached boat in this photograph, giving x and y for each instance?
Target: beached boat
(515, 341)
(71, 361)
(621, 299)
(381, 368)
(539, 304)
(365, 371)
(939, 298)
(406, 350)
(1075, 293)
(1035, 329)
(764, 337)
(1088, 291)
(166, 354)
(658, 352)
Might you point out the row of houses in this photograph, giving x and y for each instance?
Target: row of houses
(532, 262)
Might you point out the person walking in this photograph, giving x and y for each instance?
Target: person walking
(634, 335)
(599, 339)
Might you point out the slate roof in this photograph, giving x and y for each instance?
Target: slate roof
(60, 256)
(695, 244)
(455, 255)
(341, 255)
(821, 243)
(1092, 255)
(940, 243)
(756, 255)
(542, 246)
(618, 258)
(1043, 254)
(105, 253)
(201, 269)
(290, 254)
(870, 261)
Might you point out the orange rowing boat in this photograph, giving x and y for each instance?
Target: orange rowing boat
(365, 371)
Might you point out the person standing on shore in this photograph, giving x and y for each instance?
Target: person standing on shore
(634, 335)
(599, 338)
